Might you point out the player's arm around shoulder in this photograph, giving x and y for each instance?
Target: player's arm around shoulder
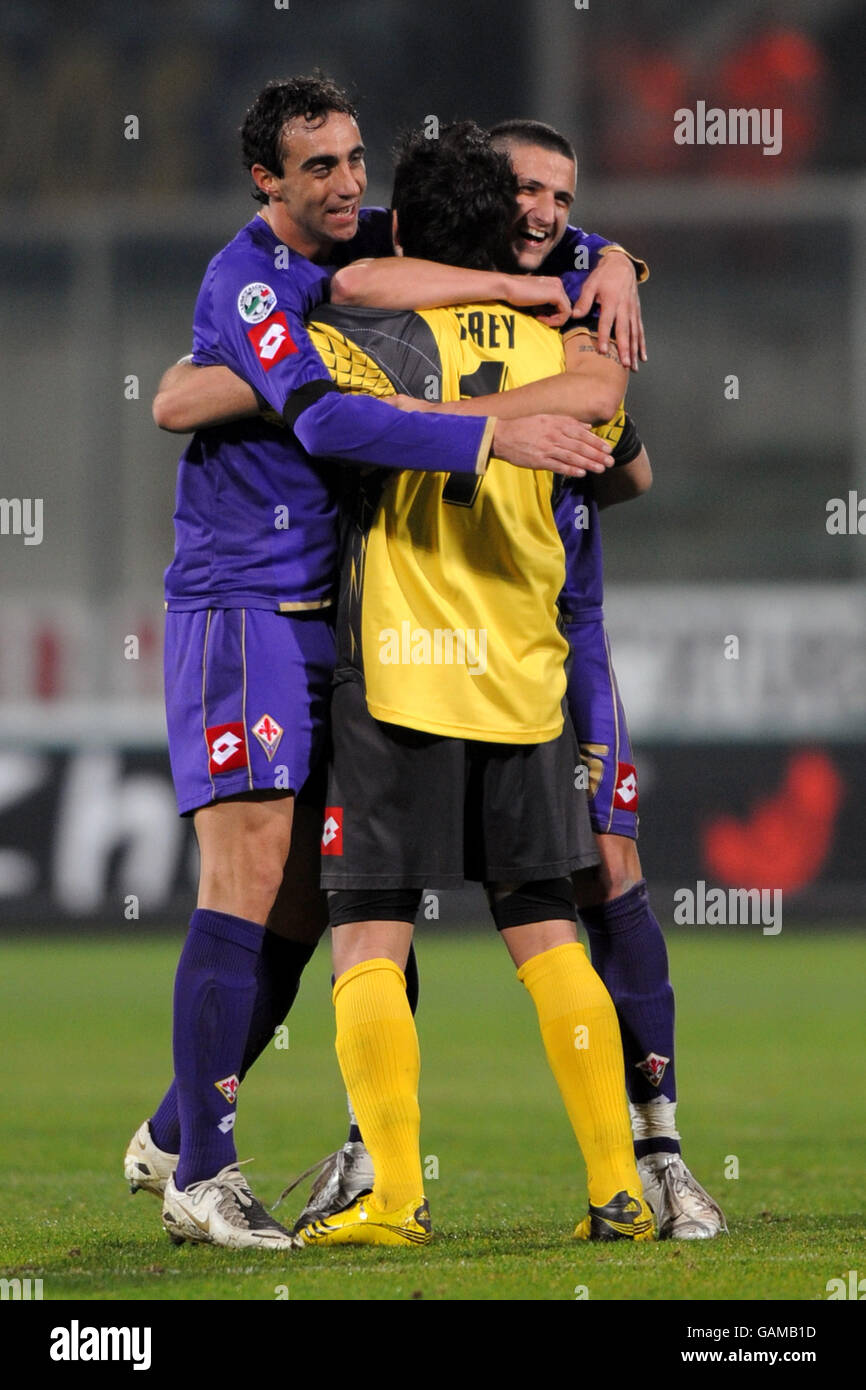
(625, 482)
(405, 282)
(598, 382)
(611, 284)
(193, 398)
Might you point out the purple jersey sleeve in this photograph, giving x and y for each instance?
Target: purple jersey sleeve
(572, 260)
(250, 314)
(577, 521)
(576, 253)
(358, 429)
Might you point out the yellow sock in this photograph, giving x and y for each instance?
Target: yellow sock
(582, 1041)
(377, 1047)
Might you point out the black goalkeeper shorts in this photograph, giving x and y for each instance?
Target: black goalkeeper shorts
(407, 809)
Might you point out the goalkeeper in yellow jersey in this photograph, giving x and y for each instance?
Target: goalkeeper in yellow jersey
(453, 756)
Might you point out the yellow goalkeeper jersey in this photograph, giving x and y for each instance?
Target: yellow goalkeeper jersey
(450, 581)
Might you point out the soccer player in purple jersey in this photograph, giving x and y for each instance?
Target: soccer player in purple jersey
(249, 642)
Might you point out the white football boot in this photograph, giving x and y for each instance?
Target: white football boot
(342, 1178)
(222, 1211)
(145, 1167)
(683, 1210)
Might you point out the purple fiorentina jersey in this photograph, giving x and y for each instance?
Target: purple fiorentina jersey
(578, 524)
(256, 521)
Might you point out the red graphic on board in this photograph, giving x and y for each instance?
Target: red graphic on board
(784, 842)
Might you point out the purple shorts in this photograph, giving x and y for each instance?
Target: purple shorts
(599, 722)
(247, 693)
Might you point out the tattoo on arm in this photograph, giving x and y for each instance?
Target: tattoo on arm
(589, 346)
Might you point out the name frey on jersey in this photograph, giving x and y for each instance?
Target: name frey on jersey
(736, 126)
(443, 646)
(77, 1343)
(714, 907)
(485, 328)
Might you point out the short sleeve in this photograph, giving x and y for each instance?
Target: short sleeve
(250, 317)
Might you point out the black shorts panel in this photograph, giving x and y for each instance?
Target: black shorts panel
(418, 809)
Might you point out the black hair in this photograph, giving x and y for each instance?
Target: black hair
(313, 98)
(455, 197)
(526, 132)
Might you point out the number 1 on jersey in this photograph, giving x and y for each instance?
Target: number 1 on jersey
(461, 489)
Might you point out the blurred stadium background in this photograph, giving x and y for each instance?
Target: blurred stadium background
(752, 755)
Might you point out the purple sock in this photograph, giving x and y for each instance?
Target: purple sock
(629, 953)
(279, 968)
(278, 978)
(165, 1122)
(214, 993)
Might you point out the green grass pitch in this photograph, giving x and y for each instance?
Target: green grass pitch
(771, 1077)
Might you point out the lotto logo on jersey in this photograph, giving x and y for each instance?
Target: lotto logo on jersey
(272, 340)
(332, 832)
(653, 1067)
(228, 1087)
(227, 747)
(625, 796)
(255, 302)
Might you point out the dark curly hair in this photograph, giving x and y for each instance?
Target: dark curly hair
(313, 98)
(455, 198)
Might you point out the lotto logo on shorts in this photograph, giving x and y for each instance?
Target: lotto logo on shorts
(228, 1087)
(227, 747)
(625, 796)
(272, 340)
(332, 833)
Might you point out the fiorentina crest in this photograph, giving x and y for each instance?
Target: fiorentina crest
(653, 1068)
(268, 732)
(228, 1087)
